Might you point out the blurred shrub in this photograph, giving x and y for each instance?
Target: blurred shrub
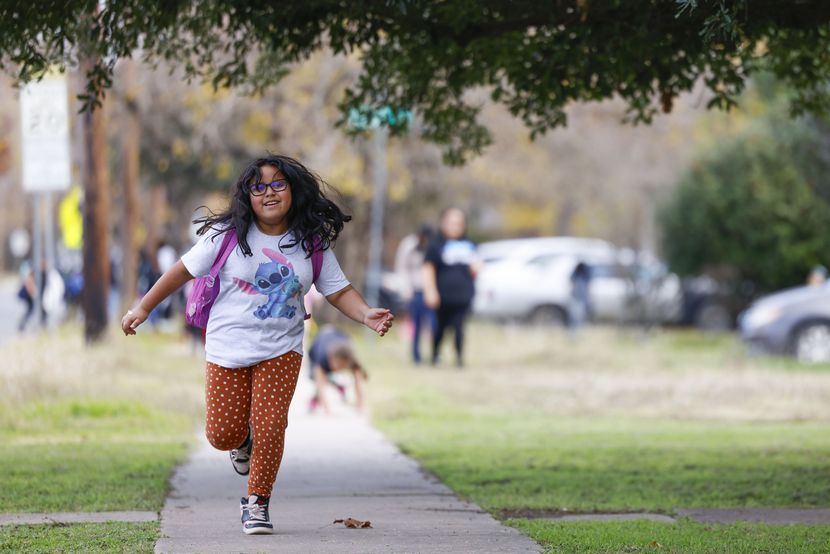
(756, 206)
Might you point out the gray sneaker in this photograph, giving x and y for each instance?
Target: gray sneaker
(255, 520)
(241, 457)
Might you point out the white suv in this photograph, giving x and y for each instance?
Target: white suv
(531, 279)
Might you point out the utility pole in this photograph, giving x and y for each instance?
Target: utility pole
(373, 280)
(380, 121)
(96, 228)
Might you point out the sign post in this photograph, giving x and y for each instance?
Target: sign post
(380, 120)
(44, 116)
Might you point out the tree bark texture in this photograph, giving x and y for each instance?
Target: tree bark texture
(96, 228)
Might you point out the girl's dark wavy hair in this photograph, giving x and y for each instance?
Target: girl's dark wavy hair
(311, 213)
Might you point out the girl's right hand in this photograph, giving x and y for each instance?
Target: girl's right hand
(378, 320)
(132, 319)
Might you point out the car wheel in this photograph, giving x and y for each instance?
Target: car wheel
(550, 316)
(713, 317)
(812, 343)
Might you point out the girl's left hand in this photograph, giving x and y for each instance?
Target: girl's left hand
(378, 320)
(133, 319)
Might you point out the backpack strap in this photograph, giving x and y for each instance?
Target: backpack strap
(228, 244)
(316, 260)
(316, 263)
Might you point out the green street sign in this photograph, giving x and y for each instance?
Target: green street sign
(363, 118)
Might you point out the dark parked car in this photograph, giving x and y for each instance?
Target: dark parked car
(714, 305)
(792, 322)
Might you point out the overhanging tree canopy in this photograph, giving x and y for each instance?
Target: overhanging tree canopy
(533, 57)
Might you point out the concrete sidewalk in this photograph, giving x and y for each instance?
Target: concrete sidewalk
(332, 468)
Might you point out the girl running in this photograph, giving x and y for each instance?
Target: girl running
(254, 337)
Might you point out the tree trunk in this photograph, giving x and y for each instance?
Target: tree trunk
(564, 218)
(96, 229)
(130, 168)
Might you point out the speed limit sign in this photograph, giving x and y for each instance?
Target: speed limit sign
(44, 114)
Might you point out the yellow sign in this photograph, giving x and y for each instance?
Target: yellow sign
(71, 219)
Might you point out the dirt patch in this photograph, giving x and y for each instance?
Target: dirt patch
(531, 513)
(773, 516)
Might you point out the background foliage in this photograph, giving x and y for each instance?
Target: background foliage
(757, 205)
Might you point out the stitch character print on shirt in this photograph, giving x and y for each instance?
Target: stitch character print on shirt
(276, 280)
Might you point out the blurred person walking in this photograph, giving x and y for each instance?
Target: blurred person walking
(817, 276)
(409, 264)
(148, 274)
(154, 261)
(580, 310)
(26, 293)
(450, 266)
(332, 355)
(277, 218)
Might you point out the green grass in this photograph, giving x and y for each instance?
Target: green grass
(685, 537)
(507, 462)
(93, 429)
(90, 455)
(80, 537)
(613, 421)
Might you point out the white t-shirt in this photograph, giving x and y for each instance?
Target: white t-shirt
(259, 311)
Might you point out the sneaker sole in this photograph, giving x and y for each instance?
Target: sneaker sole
(247, 469)
(258, 530)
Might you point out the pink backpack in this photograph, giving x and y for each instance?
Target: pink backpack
(205, 289)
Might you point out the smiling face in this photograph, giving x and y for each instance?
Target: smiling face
(271, 209)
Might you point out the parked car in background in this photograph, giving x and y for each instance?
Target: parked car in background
(489, 252)
(791, 322)
(636, 289)
(530, 279)
(714, 304)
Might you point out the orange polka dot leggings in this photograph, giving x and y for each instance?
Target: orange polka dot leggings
(260, 394)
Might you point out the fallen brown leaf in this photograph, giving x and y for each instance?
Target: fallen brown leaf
(352, 523)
